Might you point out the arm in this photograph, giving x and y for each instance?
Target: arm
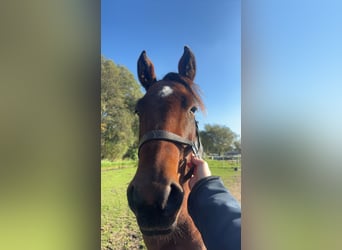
(214, 210)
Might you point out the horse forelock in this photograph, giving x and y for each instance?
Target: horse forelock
(192, 87)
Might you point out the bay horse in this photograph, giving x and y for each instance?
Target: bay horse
(168, 134)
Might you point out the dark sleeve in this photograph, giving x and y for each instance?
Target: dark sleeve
(216, 214)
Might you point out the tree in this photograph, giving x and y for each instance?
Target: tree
(237, 145)
(119, 93)
(217, 139)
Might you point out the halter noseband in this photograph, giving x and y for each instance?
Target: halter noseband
(169, 136)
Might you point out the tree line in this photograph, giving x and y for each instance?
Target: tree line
(119, 124)
(219, 139)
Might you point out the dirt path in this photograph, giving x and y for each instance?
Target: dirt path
(234, 187)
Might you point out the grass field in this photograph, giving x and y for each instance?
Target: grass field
(118, 225)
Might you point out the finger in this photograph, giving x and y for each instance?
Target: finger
(192, 182)
(193, 157)
(195, 160)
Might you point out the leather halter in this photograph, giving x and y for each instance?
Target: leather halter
(172, 137)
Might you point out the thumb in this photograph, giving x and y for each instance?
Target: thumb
(195, 160)
(192, 182)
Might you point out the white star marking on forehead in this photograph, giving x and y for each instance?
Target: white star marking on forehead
(165, 91)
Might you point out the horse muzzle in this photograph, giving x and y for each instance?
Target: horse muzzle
(156, 206)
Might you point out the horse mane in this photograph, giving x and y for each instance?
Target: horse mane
(192, 87)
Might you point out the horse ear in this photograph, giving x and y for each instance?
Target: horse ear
(187, 64)
(146, 73)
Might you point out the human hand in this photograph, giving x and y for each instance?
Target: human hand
(201, 170)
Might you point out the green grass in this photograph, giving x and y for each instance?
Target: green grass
(106, 164)
(222, 164)
(119, 229)
(118, 224)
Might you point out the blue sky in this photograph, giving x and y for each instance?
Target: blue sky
(295, 65)
(212, 29)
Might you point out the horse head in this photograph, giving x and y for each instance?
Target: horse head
(168, 134)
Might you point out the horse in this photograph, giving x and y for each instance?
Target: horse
(168, 134)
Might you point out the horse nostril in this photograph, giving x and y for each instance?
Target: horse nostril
(174, 200)
(130, 197)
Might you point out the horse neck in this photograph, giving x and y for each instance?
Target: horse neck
(186, 237)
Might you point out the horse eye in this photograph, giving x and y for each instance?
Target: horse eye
(193, 109)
